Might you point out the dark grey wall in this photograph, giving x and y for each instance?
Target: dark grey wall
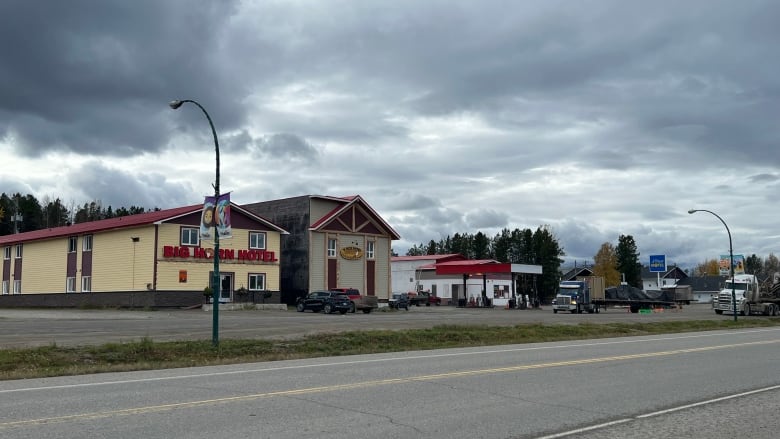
(130, 299)
(293, 215)
(126, 299)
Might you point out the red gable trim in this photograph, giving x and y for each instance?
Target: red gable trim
(317, 225)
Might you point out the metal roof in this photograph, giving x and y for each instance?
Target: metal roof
(122, 222)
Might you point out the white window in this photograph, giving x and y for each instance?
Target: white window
(331, 248)
(370, 249)
(17, 287)
(257, 240)
(70, 285)
(86, 284)
(18, 251)
(190, 236)
(72, 244)
(5, 287)
(256, 282)
(86, 244)
(7, 252)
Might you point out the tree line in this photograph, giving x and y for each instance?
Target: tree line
(761, 267)
(25, 213)
(539, 247)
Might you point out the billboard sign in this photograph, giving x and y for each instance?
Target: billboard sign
(739, 265)
(658, 263)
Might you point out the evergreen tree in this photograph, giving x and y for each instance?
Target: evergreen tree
(431, 250)
(628, 260)
(461, 244)
(502, 243)
(548, 255)
(415, 250)
(754, 265)
(481, 246)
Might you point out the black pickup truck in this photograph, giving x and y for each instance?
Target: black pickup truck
(325, 301)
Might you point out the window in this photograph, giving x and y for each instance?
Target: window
(256, 282)
(331, 248)
(257, 240)
(72, 244)
(86, 244)
(18, 251)
(189, 236)
(17, 287)
(70, 285)
(5, 287)
(86, 284)
(7, 252)
(370, 249)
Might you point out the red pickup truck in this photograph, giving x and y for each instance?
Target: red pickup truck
(363, 303)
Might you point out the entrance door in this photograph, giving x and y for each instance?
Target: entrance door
(226, 287)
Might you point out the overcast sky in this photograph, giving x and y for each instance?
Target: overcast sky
(597, 118)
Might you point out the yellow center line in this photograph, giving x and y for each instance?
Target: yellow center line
(364, 384)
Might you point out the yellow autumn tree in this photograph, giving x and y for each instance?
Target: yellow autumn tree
(605, 265)
(708, 268)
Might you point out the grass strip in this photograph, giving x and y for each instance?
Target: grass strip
(146, 354)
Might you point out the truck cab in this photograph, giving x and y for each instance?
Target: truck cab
(745, 289)
(573, 296)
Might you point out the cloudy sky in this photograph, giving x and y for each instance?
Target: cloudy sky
(597, 118)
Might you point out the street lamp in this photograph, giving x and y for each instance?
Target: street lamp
(215, 283)
(731, 260)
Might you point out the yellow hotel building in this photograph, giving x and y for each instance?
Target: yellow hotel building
(150, 259)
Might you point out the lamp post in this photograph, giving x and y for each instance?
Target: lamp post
(215, 283)
(731, 260)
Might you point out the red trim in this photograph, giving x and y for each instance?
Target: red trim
(471, 268)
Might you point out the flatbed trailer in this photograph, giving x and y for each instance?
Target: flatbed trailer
(636, 299)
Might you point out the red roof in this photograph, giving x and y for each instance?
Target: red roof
(451, 256)
(467, 262)
(141, 219)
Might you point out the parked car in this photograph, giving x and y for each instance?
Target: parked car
(363, 303)
(325, 301)
(423, 298)
(399, 301)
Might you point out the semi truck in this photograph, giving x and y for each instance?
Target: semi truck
(750, 297)
(588, 294)
(574, 296)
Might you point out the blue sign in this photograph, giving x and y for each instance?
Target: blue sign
(658, 263)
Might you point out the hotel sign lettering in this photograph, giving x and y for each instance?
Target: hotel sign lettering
(225, 254)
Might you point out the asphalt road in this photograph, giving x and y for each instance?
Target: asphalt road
(20, 328)
(709, 385)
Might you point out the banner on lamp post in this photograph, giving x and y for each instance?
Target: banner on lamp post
(207, 219)
(224, 228)
(215, 218)
(739, 265)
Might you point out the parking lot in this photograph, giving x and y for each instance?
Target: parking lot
(27, 327)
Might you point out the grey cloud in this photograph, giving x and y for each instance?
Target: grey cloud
(287, 145)
(118, 188)
(434, 111)
(98, 78)
(761, 178)
(486, 219)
